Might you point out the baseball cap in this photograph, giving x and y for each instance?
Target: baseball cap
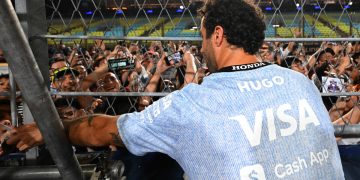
(62, 71)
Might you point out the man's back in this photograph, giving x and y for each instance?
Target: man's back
(269, 122)
(264, 123)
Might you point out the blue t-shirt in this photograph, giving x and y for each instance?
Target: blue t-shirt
(266, 123)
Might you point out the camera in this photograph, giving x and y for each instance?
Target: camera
(120, 64)
(176, 57)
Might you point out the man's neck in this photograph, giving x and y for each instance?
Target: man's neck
(236, 57)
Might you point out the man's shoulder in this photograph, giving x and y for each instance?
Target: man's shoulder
(190, 87)
(294, 75)
(191, 93)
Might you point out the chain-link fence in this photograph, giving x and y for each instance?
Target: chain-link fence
(106, 56)
(158, 18)
(117, 56)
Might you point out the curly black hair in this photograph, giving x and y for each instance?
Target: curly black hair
(242, 21)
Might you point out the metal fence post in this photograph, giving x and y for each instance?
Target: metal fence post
(32, 16)
(14, 117)
(35, 92)
(36, 24)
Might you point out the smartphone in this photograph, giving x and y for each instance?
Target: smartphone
(176, 57)
(120, 64)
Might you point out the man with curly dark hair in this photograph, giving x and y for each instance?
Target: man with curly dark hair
(247, 120)
(242, 27)
(242, 22)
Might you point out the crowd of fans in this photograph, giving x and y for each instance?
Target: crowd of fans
(333, 68)
(124, 68)
(169, 66)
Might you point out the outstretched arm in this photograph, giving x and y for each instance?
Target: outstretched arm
(91, 130)
(161, 67)
(191, 75)
(352, 117)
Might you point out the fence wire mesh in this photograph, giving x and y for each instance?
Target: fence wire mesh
(106, 56)
(169, 18)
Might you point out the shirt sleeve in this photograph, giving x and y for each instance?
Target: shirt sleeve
(155, 129)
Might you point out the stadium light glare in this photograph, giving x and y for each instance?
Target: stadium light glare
(350, 3)
(297, 4)
(181, 7)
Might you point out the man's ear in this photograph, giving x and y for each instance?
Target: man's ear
(218, 35)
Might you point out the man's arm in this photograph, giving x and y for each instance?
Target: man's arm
(312, 59)
(352, 117)
(87, 101)
(91, 130)
(155, 79)
(191, 75)
(94, 76)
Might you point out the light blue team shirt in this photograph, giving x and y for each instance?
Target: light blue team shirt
(266, 123)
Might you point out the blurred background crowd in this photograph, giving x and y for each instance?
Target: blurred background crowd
(168, 66)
